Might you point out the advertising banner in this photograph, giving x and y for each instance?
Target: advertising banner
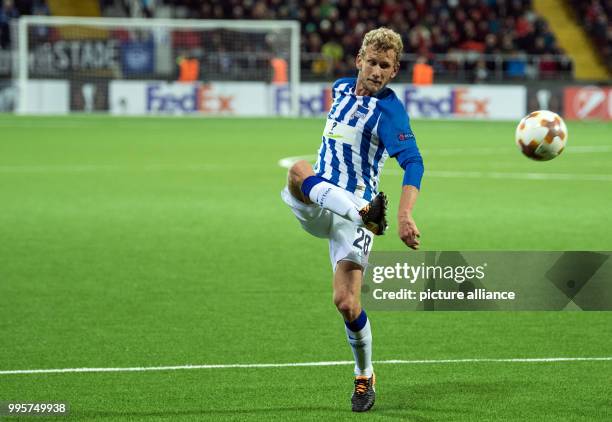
(215, 99)
(101, 56)
(8, 96)
(88, 96)
(545, 97)
(588, 102)
(138, 57)
(437, 101)
(315, 99)
(463, 102)
(131, 97)
(47, 96)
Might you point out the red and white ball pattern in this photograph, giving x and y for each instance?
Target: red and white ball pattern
(541, 135)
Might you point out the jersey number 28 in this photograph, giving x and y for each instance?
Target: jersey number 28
(363, 240)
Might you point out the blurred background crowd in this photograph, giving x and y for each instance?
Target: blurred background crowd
(596, 17)
(473, 40)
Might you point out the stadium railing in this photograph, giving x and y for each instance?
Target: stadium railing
(461, 67)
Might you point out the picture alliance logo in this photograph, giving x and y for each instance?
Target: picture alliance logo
(412, 273)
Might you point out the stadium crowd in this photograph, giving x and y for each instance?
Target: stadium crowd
(12, 9)
(481, 39)
(596, 16)
(474, 31)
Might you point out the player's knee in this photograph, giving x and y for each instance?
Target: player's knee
(296, 175)
(347, 306)
(300, 171)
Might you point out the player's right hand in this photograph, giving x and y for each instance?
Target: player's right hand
(408, 231)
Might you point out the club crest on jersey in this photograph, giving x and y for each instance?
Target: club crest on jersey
(360, 113)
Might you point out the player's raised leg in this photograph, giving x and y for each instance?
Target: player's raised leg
(298, 172)
(305, 186)
(347, 293)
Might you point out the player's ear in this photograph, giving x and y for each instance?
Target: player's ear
(396, 68)
(358, 61)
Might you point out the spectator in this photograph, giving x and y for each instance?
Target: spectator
(7, 13)
(332, 53)
(516, 66)
(480, 73)
(422, 72)
(548, 67)
(40, 9)
(189, 68)
(279, 70)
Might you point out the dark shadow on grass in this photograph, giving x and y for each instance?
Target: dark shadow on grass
(425, 402)
(207, 413)
(418, 402)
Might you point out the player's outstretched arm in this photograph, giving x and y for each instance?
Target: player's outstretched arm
(407, 229)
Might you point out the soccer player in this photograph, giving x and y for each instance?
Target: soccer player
(339, 199)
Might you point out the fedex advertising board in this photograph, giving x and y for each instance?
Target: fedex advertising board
(315, 99)
(436, 101)
(260, 99)
(588, 102)
(218, 98)
(463, 102)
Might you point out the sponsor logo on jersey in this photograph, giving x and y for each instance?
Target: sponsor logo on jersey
(340, 131)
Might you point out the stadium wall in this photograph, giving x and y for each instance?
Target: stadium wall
(132, 97)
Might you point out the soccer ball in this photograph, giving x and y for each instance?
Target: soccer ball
(541, 135)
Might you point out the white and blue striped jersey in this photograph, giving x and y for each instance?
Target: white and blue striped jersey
(360, 134)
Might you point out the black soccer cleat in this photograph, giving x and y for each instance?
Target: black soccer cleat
(374, 215)
(364, 394)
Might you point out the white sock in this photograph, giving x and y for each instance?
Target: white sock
(361, 343)
(335, 199)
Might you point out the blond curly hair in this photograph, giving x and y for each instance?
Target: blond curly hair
(383, 39)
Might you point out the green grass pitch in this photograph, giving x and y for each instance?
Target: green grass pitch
(159, 241)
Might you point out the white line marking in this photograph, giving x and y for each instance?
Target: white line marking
(588, 149)
(513, 176)
(581, 149)
(302, 364)
(497, 151)
(288, 161)
(85, 168)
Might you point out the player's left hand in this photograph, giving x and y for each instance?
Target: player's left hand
(408, 231)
